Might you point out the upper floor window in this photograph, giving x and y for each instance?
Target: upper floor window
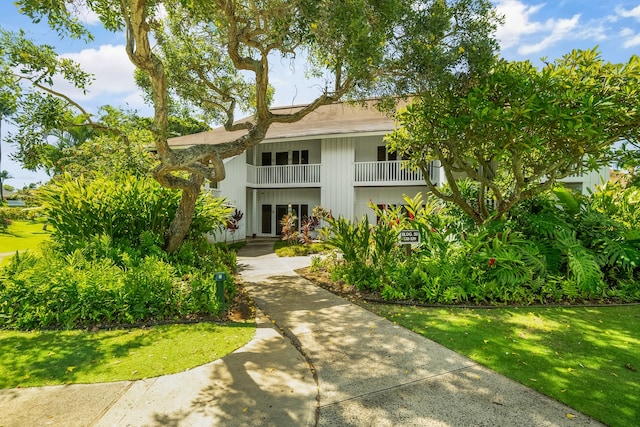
(300, 157)
(266, 158)
(385, 155)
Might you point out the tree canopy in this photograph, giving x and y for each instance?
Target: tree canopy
(518, 129)
(214, 57)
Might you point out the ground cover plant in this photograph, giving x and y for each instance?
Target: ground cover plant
(39, 358)
(585, 357)
(284, 249)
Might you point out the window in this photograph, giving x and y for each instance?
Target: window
(300, 157)
(282, 158)
(384, 154)
(301, 211)
(266, 159)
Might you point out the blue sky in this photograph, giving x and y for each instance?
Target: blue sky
(532, 30)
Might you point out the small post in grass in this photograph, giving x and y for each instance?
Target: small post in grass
(220, 277)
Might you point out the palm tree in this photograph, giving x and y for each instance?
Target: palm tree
(3, 175)
(7, 108)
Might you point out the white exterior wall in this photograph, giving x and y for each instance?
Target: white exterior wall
(366, 148)
(233, 188)
(591, 180)
(336, 176)
(284, 196)
(312, 145)
(380, 195)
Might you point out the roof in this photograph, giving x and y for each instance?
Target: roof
(334, 119)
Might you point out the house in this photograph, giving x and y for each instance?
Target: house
(335, 158)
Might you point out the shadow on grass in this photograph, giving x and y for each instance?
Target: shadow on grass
(58, 357)
(584, 357)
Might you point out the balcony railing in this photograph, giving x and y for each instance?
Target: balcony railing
(286, 175)
(391, 172)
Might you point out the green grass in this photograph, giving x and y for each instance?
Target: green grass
(23, 235)
(41, 358)
(588, 358)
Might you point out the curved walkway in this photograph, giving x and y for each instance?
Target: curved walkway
(316, 359)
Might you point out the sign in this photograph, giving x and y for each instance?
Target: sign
(409, 236)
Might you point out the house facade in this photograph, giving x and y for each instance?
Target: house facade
(335, 158)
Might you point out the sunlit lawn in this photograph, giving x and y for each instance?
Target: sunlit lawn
(23, 235)
(60, 357)
(588, 358)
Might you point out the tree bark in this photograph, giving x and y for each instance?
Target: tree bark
(181, 222)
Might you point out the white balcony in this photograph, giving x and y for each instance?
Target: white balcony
(283, 176)
(389, 173)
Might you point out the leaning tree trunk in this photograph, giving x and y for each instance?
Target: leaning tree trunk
(181, 222)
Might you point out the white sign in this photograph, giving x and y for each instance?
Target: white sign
(409, 236)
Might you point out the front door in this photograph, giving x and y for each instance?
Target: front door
(281, 211)
(266, 219)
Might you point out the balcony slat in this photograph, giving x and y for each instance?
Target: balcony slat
(388, 172)
(283, 174)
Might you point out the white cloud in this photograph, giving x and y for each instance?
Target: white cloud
(631, 38)
(632, 41)
(113, 76)
(631, 13)
(626, 32)
(559, 29)
(517, 21)
(84, 14)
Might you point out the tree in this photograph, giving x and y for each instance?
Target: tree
(516, 130)
(4, 175)
(215, 56)
(7, 100)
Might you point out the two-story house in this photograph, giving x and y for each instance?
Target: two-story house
(335, 158)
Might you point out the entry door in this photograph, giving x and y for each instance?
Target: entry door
(266, 219)
(281, 211)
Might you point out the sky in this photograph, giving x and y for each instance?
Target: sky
(532, 30)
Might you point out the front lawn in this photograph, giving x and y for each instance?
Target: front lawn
(23, 235)
(39, 358)
(586, 357)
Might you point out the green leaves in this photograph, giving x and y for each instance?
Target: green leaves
(537, 125)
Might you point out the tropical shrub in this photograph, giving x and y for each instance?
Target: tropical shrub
(121, 208)
(5, 220)
(556, 247)
(105, 263)
(105, 285)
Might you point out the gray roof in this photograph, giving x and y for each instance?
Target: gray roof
(334, 119)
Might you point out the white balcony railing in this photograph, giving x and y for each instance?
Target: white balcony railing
(378, 173)
(287, 175)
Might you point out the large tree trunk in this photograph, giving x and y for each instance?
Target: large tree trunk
(181, 222)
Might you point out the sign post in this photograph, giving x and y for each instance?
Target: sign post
(409, 237)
